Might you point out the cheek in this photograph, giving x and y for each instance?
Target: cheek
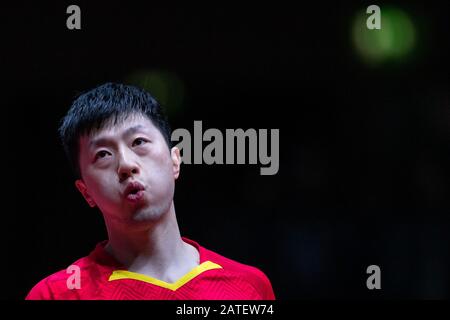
(159, 159)
(162, 187)
(101, 186)
(160, 171)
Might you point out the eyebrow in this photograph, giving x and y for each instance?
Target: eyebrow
(128, 132)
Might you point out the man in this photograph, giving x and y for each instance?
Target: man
(118, 143)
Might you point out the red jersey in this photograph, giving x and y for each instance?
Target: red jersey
(101, 277)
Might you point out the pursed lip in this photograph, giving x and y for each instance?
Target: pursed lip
(133, 188)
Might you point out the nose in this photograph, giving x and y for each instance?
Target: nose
(126, 167)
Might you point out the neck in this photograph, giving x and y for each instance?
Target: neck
(156, 250)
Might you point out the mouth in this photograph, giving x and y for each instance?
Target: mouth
(134, 192)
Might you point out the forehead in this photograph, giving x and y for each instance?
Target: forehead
(112, 129)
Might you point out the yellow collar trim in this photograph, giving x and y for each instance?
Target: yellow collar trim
(124, 274)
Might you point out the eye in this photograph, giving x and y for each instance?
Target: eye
(139, 141)
(101, 154)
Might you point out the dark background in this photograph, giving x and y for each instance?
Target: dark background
(364, 172)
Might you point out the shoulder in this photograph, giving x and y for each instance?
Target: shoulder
(252, 275)
(56, 285)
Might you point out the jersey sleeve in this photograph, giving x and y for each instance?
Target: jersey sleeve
(265, 286)
(261, 283)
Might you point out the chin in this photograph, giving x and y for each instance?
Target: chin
(151, 215)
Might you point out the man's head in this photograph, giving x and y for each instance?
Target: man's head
(118, 143)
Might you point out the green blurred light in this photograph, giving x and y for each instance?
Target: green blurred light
(165, 86)
(393, 42)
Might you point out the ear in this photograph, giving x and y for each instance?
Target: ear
(176, 160)
(81, 186)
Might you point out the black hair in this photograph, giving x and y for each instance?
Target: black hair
(114, 102)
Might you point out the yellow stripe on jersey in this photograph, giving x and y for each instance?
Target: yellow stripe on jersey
(124, 274)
